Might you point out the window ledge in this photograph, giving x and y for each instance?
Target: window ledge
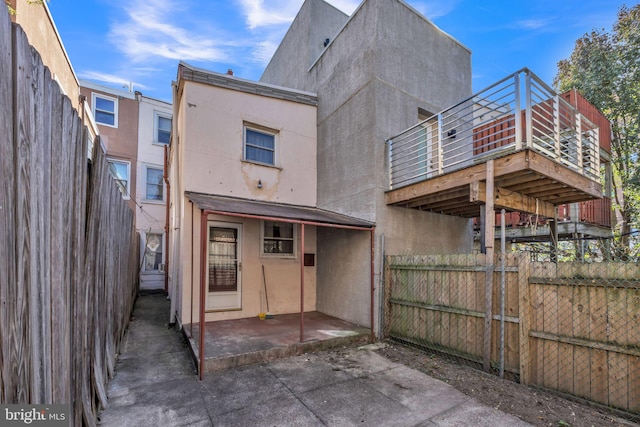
(153, 202)
(266, 165)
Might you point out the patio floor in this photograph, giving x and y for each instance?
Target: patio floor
(232, 343)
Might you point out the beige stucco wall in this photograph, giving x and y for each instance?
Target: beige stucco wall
(282, 274)
(213, 131)
(37, 23)
(206, 157)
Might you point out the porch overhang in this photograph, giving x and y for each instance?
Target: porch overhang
(259, 209)
(255, 209)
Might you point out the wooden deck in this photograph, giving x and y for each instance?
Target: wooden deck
(524, 181)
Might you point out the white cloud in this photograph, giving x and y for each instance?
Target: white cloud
(532, 24)
(111, 79)
(277, 12)
(149, 31)
(434, 9)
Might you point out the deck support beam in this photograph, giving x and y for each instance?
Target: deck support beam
(511, 200)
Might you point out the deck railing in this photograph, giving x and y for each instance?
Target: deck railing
(518, 112)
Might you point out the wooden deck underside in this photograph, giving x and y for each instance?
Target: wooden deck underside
(524, 181)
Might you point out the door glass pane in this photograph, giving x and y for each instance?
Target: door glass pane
(223, 259)
(153, 252)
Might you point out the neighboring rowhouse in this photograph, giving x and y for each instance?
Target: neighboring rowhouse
(243, 184)
(116, 113)
(154, 133)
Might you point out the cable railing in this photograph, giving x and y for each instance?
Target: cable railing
(518, 112)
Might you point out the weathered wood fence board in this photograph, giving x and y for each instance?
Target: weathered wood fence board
(68, 252)
(570, 327)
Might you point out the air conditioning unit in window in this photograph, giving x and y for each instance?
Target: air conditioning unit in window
(162, 267)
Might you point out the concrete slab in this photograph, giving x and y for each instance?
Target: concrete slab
(156, 384)
(474, 414)
(307, 372)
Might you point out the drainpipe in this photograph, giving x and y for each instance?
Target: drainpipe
(166, 225)
(371, 308)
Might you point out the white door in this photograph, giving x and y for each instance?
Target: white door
(224, 266)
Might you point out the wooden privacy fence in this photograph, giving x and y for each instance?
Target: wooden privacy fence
(569, 327)
(68, 248)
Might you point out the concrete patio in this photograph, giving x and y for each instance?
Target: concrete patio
(233, 343)
(156, 384)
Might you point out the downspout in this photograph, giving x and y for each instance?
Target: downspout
(166, 225)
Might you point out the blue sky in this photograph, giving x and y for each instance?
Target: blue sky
(113, 42)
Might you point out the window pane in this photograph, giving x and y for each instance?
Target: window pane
(119, 170)
(163, 136)
(153, 252)
(259, 147)
(154, 184)
(278, 238)
(163, 132)
(260, 139)
(120, 173)
(259, 155)
(105, 118)
(105, 105)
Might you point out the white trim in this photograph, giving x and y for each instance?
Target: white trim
(112, 91)
(94, 96)
(293, 255)
(156, 122)
(265, 131)
(229, 300)
(126, 196)
(145, 168)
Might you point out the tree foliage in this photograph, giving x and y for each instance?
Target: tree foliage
(605, 68)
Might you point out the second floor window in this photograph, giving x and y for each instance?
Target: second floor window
(162, 130)
(259, 146)
(105, 110)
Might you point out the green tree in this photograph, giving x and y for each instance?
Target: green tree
(605, 68)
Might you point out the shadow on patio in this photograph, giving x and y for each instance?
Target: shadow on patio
(232, 343)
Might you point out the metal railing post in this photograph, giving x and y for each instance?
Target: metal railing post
(517, 111)
(439, 151)
(529, 114)
(390, 161)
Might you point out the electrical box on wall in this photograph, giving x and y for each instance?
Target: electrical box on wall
(309, 260)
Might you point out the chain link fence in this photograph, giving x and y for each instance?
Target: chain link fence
(568, 326)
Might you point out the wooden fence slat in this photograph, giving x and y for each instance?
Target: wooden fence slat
(60, 256)
(7, 211)
(21, 355)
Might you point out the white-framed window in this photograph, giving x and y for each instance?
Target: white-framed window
(120, 171)
(278, 239)
(153, 251)
(161, 128)
(154, 180)
(105, 109)
(259, 145)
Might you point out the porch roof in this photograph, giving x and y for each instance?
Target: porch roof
(263, 209)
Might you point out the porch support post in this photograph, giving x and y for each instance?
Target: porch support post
(489, 240)
(301, 282)
(373, 240)
(203, 282)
